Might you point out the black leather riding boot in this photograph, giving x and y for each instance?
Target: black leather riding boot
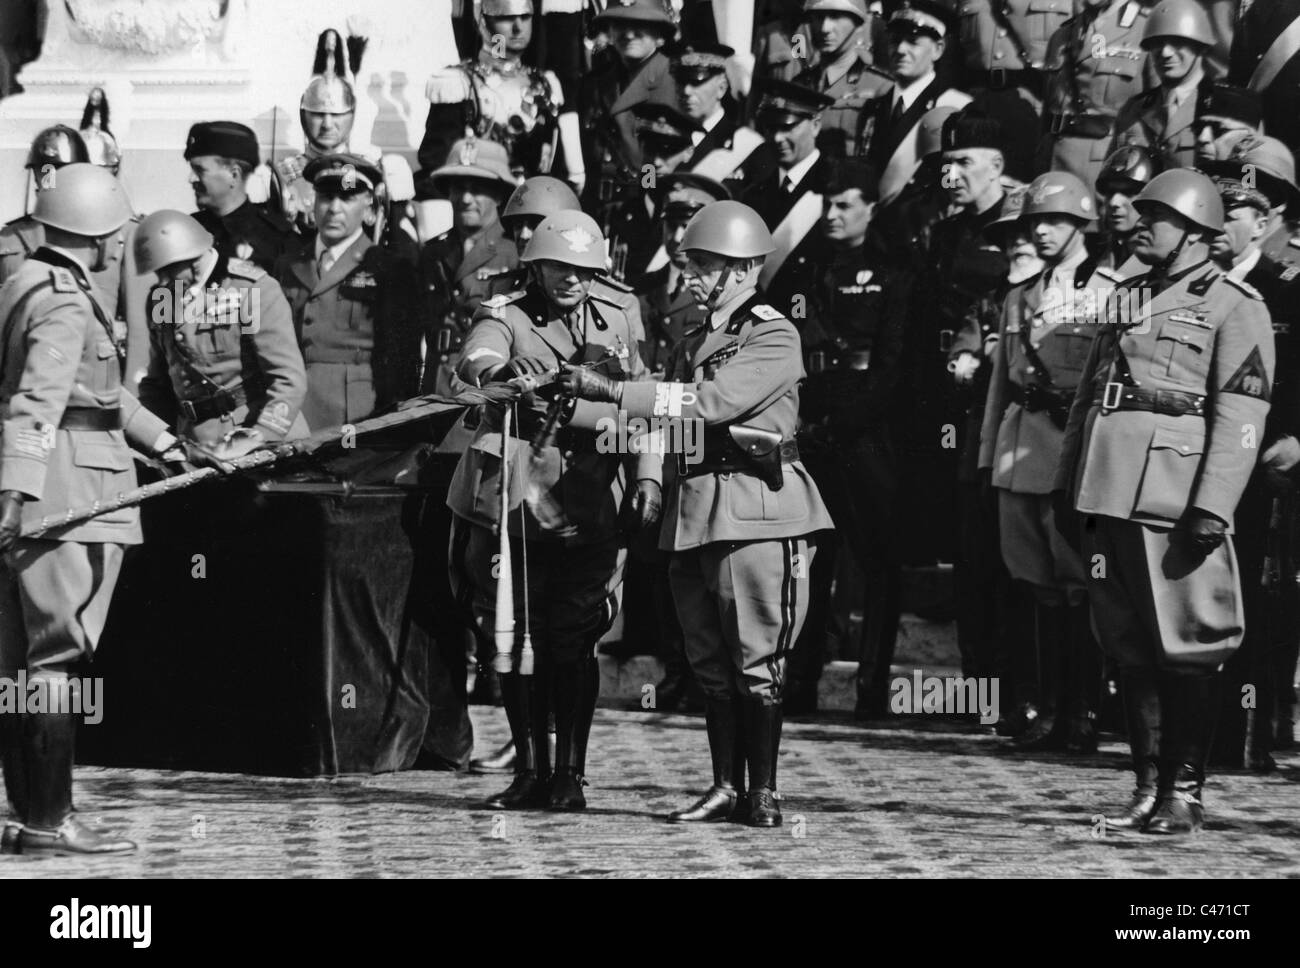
(762, 730)
(577, 687)
(719, 800)
(1083, 682)
(1052, 642)
(15, 774)
(1142, 715)
(1195, 705)
(516, 697)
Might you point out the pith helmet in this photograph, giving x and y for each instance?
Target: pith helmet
(1059, 193)
(730, 229)
(83, 199)
(570, 237)
(1178, 18)
(1189, 193)
(166, 237)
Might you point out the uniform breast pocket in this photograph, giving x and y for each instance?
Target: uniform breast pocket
(1044, 16)
(969, 28)
(104, 375)
(1071, 348)
(1183, 354)
(1172, 461)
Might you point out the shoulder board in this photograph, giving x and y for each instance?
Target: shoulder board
(495, 306)
(243, 269)
(609, 282)
(63, 280)
(765, 312)
(1244, 286)
(1109, 272)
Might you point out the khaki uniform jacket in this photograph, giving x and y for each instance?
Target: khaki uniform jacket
(58, 352)
(359, 328)
(571, 474)
(237, 336)
(853, 90)
(1023, 448)
(746, 373)
(1019, 44)
(1205, 334)
(1141, 121)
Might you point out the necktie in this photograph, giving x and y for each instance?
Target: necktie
(326, 263)
(897, 115)
(787, 185)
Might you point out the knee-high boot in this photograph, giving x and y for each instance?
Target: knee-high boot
(1048, 730)
(1083, 682)
(15, 774)
(762, 739)
(517, 698)
(577, 687)
(719, 800)
(1193, 702)
(1142, 714)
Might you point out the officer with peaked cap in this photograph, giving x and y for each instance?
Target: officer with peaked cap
(740, 556)
(222, 155)
(1178, 382)
(357, 306)
(566, 532)
(1044, 337)
(1088, 80)
(722, 150)
(67, 422)
(1176, 38)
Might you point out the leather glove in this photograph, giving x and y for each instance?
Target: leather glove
(646, 504)
(1067, 520)
(11, 518)
(239, 442)
(525, 366)
(1205, 530)
(587, 384)
(192, 454)
(964, 368)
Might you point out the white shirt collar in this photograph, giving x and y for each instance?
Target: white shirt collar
(909, 94)
(1242, 268)
(338, 248)
(801, 168)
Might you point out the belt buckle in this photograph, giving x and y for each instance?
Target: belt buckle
(1110, 397)
(444, 339)
(187, 408)
(1057, 123)
(945, 340)
(816, 361)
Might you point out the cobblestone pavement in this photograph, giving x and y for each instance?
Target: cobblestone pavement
(911, 797)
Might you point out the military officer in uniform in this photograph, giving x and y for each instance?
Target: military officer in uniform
(1123, 175)
(742, 512)
(1044, 338)
(1252, 190)
(222, 155)
(67, 422)
(357, 306)
(721, 149)
(1094, 64)
(843, 72)
(224, 365)
(852, 340)
(460, 265)
(1155, 458)
(51, 149)
(565, 497)
(1176, 38)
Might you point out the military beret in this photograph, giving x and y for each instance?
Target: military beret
(343, 172)
(970, 129)
(226, 139)
(784, 102)
(1219, 100)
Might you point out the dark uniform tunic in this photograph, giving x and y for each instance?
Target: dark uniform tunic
(251, 232)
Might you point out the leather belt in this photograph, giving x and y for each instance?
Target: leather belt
(218, 405)
(1035, 398)
(1175, 403)
(323, 355)
(730, 459)
(998, 79)
(1078, 125)
(90, 418)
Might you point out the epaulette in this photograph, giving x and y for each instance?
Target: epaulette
(495, 305)
(615, 284)
(1244, 286)
(63, 280)
(1109, 272)
(766, 313)
(244, 269)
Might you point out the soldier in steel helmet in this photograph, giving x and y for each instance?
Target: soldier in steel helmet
(67, 422)
(742, 510)
(570, 483)
(1123, 175)
(1177, 39)
(1044, 337)
(224, 366)
(1256, 185)
(1160, 444)
(51, 149)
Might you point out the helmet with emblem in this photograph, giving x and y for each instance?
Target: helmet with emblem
(83, 199)
(539, 197)
(166, 237)
(330, 90)
(570, 237)
(1059, 193)
(57, 146)
(730, 229)
(1013, 206)
(1126, 170)
(1189, 193)
(1177, 19)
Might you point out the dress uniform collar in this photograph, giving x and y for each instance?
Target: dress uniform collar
(55, 256)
